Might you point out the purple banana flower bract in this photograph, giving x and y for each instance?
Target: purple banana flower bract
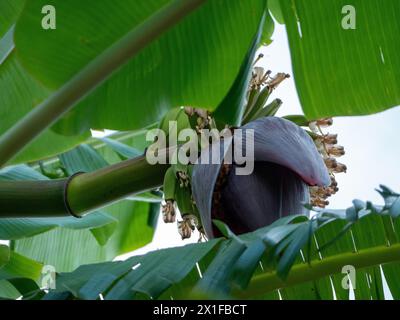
(286, 162)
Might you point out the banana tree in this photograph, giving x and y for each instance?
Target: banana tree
(71, 203)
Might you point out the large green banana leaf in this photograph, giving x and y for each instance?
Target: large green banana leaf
(357, 69)
(18, 275)
(66, 249)
(10, 10)
(340, 71)
(19, 92)
(194, 64)
(17, 266)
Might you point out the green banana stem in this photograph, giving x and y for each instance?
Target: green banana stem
(301, 273)
(80, 193)
(23, 199)
(44, 115)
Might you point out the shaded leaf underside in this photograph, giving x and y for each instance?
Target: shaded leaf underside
(339, 71)
(193, 64)
(220, 261)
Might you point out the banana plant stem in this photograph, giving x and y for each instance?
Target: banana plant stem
(81, 193)
(302, 273)
(97, 71)
(90, 191)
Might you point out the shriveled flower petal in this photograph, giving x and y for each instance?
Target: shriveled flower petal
(282, 142)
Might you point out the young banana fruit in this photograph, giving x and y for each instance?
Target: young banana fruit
(170, 186)
(190, 217)
(174, 121)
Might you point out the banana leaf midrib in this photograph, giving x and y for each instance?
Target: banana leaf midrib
(301, 273)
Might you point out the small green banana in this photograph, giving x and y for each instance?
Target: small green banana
(268, 111)
(259, 101)
(171, 115)
(180, 170)
(182, 121)
(189, 213)
(251, 97)
(179, 119)
(184, 200)
(190, 168)
(178, 166)
(170, 186)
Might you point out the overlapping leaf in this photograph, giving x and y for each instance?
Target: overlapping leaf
(19, 92)
(340, 71)
(10, 10)
(18, 275)
(222, 263)
(18, 266)
(194, 64)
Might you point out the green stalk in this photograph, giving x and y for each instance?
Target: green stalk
(90, 191)
(81, 193)
(302, 273)
(32, 199)
(97, 71)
